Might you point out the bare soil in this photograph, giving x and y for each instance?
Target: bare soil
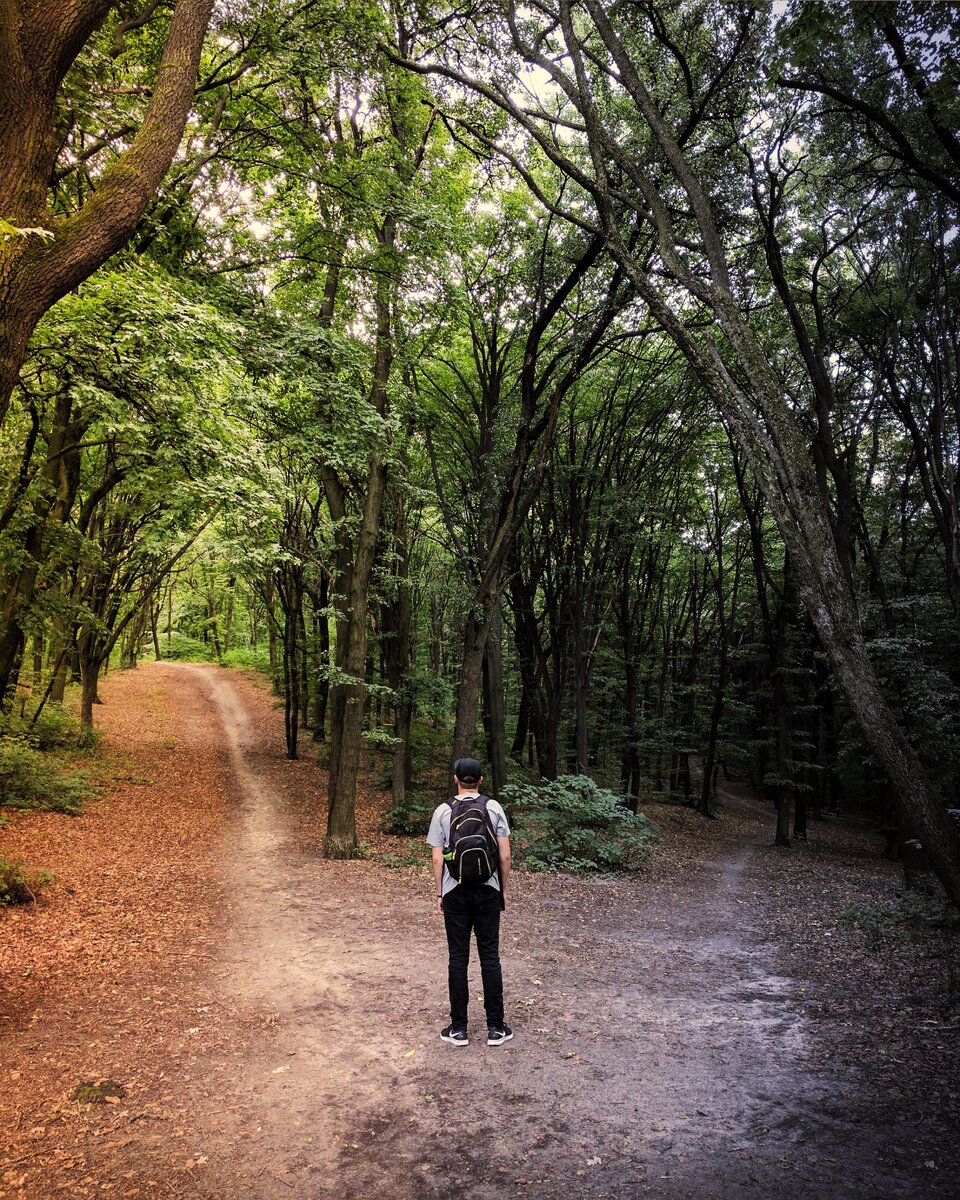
(708, 1028)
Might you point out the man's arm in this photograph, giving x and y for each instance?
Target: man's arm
(438, 874)
(504, 845)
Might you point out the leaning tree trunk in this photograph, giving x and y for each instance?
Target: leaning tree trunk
(38, 44)
(396, 623)
(741, 379)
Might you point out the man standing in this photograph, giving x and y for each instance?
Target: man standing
(472, 906)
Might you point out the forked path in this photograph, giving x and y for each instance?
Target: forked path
(658, 1049)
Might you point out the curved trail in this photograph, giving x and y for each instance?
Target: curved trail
(658, 1051)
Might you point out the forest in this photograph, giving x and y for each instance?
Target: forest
(574, 384)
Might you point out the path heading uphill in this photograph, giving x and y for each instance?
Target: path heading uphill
(662, 1047)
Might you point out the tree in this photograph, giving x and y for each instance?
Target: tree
(130, 443)
(43, 254)
(532, 332)
(652, 155)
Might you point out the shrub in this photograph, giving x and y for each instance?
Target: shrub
(410, 819)
(28, 780)
(571, 824)
(54, 729)
(17, 884)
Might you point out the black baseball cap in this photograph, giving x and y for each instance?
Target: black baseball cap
(467, 770)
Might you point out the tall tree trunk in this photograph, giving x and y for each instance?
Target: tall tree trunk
(783, 789)
(303, 665)
(522, 728)
(290, 590)
(213, 616)
(348, 694)
(630, 767)
(18, 584)
(710, 752)
(228, 618)
(90, 653)
(471, 679)
(322, 689)
(396, 624)
(494, 710)
(155, 610)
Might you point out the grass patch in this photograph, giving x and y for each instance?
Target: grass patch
(912, 915)
(412, 859)
(916, 922)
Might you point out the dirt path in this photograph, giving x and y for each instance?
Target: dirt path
(663, 1047)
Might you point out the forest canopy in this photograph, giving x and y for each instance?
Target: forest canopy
(573, 384)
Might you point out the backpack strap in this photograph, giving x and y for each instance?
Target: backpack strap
(485, 800)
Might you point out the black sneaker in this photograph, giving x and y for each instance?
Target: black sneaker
(456, 1037)
(498, 1034)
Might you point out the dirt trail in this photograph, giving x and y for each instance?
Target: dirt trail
(658, 1048)
(662, 1048)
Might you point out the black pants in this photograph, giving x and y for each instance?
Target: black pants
(475, 908)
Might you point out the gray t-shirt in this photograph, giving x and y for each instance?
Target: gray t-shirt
(439, 835)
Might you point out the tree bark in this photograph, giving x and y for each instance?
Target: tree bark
(60, 475)
(347, 702)
(471, 678)
(493, 705)
(348, 694)
(397, 628)
(322, 690)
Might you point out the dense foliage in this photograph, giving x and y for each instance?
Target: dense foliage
(580, 385)
(571, 824)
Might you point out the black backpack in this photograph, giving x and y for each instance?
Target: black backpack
(471, 854)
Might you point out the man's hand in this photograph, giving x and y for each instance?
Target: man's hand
(440, 905)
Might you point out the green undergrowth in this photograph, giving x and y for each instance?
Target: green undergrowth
(32, 752)
(246, 658)
(911, 915)
(180, 647)
(571, 824)
(18, 883)
(412, 817)
(567, 824)
(413, 858)
(916, 922)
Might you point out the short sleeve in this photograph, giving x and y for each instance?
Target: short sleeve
(435, 834)
(498, 818)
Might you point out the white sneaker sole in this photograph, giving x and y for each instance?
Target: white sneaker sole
(499, 1041)
(454, 1041)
